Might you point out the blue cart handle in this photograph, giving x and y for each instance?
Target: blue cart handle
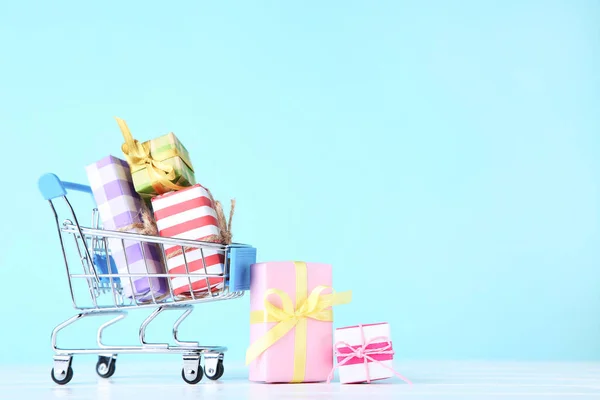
(52, 187)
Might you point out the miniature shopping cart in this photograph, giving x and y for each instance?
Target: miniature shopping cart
(97, 288)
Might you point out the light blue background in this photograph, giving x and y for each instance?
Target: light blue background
(443, 156)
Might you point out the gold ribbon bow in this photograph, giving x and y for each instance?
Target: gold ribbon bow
(138, 157)
(316, 306)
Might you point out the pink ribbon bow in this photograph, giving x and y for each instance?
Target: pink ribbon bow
(366, 354)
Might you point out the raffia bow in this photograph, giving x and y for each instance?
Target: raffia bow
(226, 236)
(147, 224)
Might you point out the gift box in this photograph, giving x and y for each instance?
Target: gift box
(190, 214)
(157, 166)
(291, 322)
(364, 353)
(119, 207)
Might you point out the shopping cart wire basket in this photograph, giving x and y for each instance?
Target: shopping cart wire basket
(87, 254)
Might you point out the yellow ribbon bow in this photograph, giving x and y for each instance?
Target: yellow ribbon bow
(316, 306)
(138, 157)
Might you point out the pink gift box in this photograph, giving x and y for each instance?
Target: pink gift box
(364, 353)
(276, 363)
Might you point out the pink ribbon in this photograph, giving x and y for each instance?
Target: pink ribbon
(366, 354)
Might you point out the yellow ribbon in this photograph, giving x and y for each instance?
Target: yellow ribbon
(138, 157)
(316, 306)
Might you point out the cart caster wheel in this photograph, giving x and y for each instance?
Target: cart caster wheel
(105, 367)
(192, 377)
(214, 374)
(63, 378)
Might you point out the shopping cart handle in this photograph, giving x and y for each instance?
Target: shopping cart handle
(52, 187)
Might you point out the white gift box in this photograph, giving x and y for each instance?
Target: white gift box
(364, 353)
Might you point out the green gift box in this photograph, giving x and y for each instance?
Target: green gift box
(159, 165)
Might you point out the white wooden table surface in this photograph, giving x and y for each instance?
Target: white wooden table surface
(137, 380)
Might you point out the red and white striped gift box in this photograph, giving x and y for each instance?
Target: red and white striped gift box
(189, 214)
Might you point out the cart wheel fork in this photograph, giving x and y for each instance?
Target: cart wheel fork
(192, 371)
(213, 365)
(62, 372)
(105, 368)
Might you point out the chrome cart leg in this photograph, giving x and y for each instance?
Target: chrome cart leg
(62, 373)
(187, 312)
(142, 331)
(120, 315)
(105, 367)
(213, 366)
(192, 371)
(62, 326)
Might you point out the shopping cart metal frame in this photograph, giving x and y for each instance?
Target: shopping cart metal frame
(106, 285)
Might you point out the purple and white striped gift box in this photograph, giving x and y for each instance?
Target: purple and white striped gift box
(119, 205)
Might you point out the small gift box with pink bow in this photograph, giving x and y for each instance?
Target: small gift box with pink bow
(364, 353)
